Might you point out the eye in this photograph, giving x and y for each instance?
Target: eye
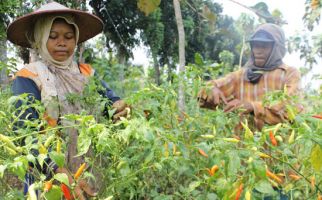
(69, 36)
(52, 35)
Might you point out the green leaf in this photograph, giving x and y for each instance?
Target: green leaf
(41, 159)
(83, 143)
(2, 168)
(198, 59)
(259, 169)
(58, 158)
(264, 187)
(148, 6)
(19, 167)
(316, 155)
(31, 158)
(193, 185)
(212, 196)
(63, 178)
(234, 163)
(54, 194)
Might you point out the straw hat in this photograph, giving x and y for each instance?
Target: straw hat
(89, 25)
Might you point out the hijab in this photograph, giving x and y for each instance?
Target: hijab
(41, 34)
(254, 73)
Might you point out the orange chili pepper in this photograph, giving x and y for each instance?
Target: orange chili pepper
(272, 137)
(317, 116)
(64, 188)
(213, 170)
(273, 176)
(79, 171)
(294, 177)
(319, 196)
(203, 153)
(239, 192)
(313, 182)
(48, 186)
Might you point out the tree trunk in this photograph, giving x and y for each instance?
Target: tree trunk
(4, 80)
(242, 52)
(182, 60)
(81, 49)
(121, 56)
(156, 70)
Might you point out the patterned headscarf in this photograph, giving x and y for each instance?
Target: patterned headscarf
(41, 35)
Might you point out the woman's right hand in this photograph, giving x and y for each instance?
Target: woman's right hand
(81, 186)
(212, 98)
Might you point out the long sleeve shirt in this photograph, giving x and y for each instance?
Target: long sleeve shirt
(234, 86)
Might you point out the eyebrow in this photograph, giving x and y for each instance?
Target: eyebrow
(70, 32)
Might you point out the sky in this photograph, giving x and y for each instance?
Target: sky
(292, 10)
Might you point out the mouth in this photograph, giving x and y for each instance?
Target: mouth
(259, 58)
(61, 52)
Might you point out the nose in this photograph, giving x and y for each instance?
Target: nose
(61, 42)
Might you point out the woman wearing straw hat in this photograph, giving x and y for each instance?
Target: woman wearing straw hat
(54, 31)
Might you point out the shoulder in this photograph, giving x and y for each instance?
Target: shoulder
(30, 70)
(291, 71)
(25, 85)
(86, 69)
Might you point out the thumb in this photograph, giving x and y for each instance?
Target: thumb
(87, 188)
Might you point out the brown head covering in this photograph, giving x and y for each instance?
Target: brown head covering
(276, 34)
(89, 25)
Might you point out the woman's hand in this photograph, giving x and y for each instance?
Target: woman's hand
(237, 104)
(81, 188)
(122, 110)
(211, 100)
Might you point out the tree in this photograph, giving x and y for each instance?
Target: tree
(182, 58)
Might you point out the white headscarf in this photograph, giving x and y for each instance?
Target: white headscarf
(41, 35)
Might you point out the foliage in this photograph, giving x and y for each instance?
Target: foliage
(156, 152)
(312, 13)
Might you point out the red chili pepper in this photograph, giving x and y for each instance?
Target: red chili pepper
(317, 116)
(239, 192)
(272, 137)
(66, 192)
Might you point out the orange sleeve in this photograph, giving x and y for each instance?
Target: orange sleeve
(277, 113)
(26, 73)
(227, 84)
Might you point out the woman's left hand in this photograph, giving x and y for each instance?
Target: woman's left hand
(237, 104)
(83, 187)
(122, 110)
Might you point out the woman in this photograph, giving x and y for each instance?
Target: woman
(53, 31)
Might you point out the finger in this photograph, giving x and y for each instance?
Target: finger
(223, 98)
(79, 193)
(231, 106)
(119, 105)
(201, 103)
(87, 189)
(200, 94)
(117, 116)
(228, 108)
(216, 99)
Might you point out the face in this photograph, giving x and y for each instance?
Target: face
(261, 52)
(61, 42)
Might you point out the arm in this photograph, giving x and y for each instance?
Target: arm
(117, 103)
(108, 93)
(219, 91)
(277, 113)
(22, 85)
